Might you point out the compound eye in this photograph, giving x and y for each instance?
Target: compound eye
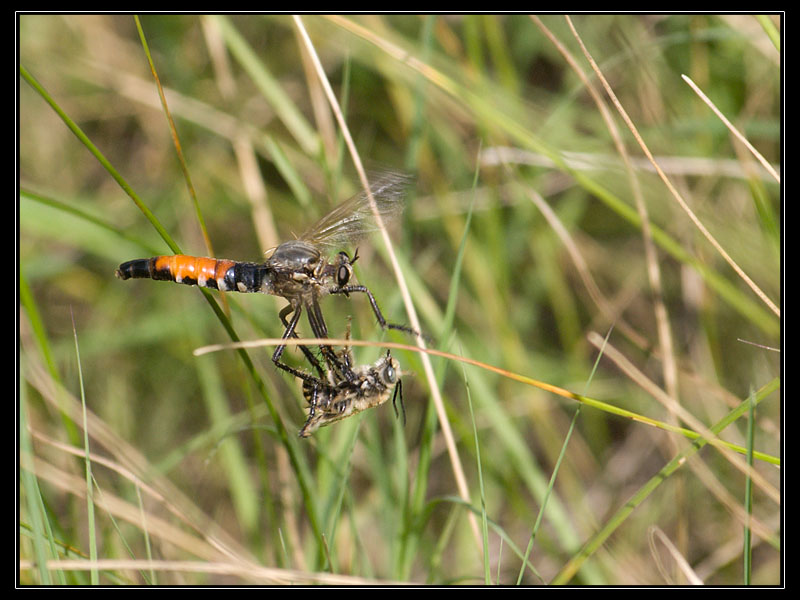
(389, 374)
(343, 275)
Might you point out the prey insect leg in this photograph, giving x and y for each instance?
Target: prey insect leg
(399, 390)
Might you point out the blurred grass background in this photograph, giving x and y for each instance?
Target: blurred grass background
(189, 463)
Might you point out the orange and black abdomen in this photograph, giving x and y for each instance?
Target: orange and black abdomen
(220, 274)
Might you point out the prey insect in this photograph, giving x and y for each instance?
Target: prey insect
(338, 398)
(298, 270)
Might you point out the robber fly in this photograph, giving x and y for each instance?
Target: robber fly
(337, 398)
(300, 270)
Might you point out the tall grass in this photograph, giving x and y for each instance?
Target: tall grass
(537, 224)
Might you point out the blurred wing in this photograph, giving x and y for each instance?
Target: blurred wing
(353, 219)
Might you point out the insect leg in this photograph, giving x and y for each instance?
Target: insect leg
(319, 396)
(398, 389)
(347, 289)
(320, 329)
(347, 353)
(312, 402)
(306, 351)
(276, 356)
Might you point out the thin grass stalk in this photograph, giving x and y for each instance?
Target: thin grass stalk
(412, 315)
(569, 570)
(681, 202)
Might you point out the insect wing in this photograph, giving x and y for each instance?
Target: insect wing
(353, 219)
